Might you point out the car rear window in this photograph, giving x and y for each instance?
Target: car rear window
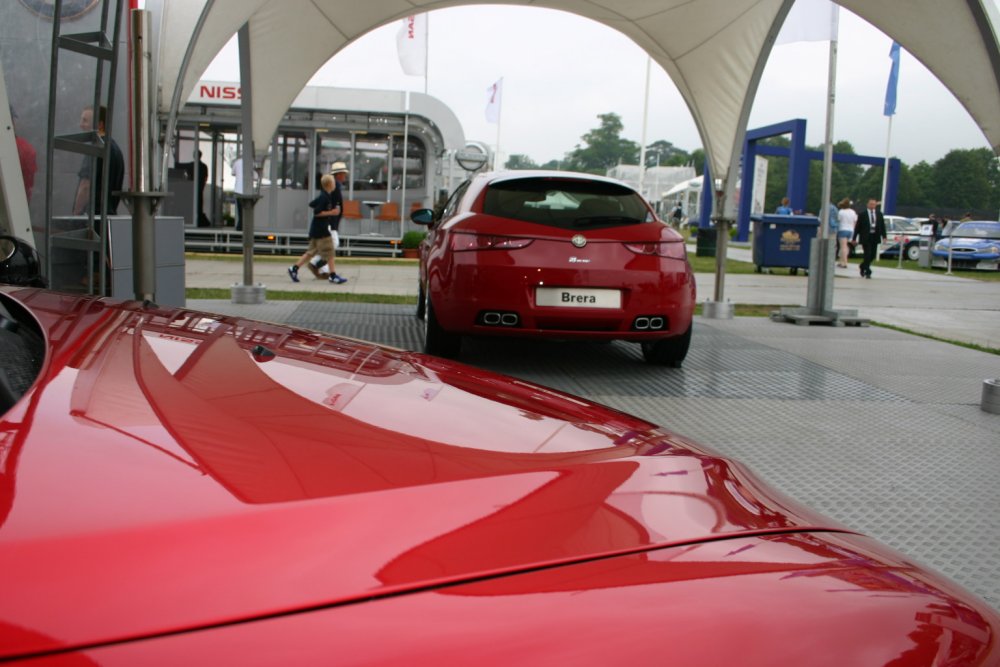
(980, 230)
(566, 203)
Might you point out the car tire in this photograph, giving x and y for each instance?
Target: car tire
(913, 252)
(437, 341)
(667, 351)
(421, 305)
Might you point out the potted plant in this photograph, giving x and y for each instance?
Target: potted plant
(411, 240)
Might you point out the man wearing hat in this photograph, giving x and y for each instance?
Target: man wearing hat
(323, 237)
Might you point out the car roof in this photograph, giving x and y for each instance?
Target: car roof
(516, 174)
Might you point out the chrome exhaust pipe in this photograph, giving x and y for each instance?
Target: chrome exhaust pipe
(509, 319)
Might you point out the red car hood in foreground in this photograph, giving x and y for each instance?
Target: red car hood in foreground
(174, 475)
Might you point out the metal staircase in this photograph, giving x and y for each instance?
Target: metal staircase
(89, 238)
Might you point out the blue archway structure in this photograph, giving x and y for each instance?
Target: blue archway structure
(798, 169)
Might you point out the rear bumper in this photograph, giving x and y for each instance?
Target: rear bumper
(657, 301)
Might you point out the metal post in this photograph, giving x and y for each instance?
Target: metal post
(247, 292)
(142, 197)
(718, 309)
(143, 244)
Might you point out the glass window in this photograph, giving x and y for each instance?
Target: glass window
(566, 203)
(452, 205)
(371, 162)
(415, 153)
(290, 162)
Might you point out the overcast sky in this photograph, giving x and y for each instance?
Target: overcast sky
(561, 71)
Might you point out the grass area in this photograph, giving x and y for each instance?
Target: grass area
(985, 276)
(971, 346)
(698, 264)
(746, 309)
(296, 295)
(707, 265)
(286, 259)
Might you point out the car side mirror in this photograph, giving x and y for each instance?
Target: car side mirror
(423, 216)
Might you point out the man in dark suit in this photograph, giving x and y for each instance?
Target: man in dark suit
(870, 230)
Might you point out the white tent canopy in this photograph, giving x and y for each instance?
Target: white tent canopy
(713, 50)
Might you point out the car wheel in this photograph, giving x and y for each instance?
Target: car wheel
(913, 252)
(667, 351)
(421, 305)
(437, 341)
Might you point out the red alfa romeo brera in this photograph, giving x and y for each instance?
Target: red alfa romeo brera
(181, 488)
(551, 254)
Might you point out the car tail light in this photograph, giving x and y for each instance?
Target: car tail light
(672, 249)
(462, 241)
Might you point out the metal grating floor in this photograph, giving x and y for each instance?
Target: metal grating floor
(878, 429)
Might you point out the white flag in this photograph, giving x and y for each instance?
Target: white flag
(411, 43)
(810, 21)
(494, 93)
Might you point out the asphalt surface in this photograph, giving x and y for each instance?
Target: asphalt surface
(879, 429)
(948, 307)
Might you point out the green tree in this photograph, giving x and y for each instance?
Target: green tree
(603, 147)
(698, 160)
(662, 153)
(922, 175)
(911, 189)
(844, 177)
(967, 179)
(518, 161)
(777, 173)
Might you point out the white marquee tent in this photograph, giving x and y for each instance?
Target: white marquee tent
(714, 50)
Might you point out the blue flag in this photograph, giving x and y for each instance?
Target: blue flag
(890, 90)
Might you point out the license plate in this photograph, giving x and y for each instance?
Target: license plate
(578, 297)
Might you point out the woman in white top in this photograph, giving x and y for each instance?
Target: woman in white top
(846, 219)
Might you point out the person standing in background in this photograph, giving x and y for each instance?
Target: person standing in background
(846, 221)
(870, 230)
(27, 156)
(93, 168)
(785, 208)
(326, 208)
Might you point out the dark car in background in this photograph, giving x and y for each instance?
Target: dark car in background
(557, 255)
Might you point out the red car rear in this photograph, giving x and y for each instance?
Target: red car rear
(554, 255)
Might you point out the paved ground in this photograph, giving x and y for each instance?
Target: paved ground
(879, 429)
(948, 307)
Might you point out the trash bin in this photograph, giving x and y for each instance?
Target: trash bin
(705, 242)
(783, 241)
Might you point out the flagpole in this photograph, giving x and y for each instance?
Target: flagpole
(819, 297)
(885, 170)
(642, 146)
(496, 154)
(427, 48)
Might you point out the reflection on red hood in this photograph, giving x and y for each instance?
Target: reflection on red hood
(220, 469)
